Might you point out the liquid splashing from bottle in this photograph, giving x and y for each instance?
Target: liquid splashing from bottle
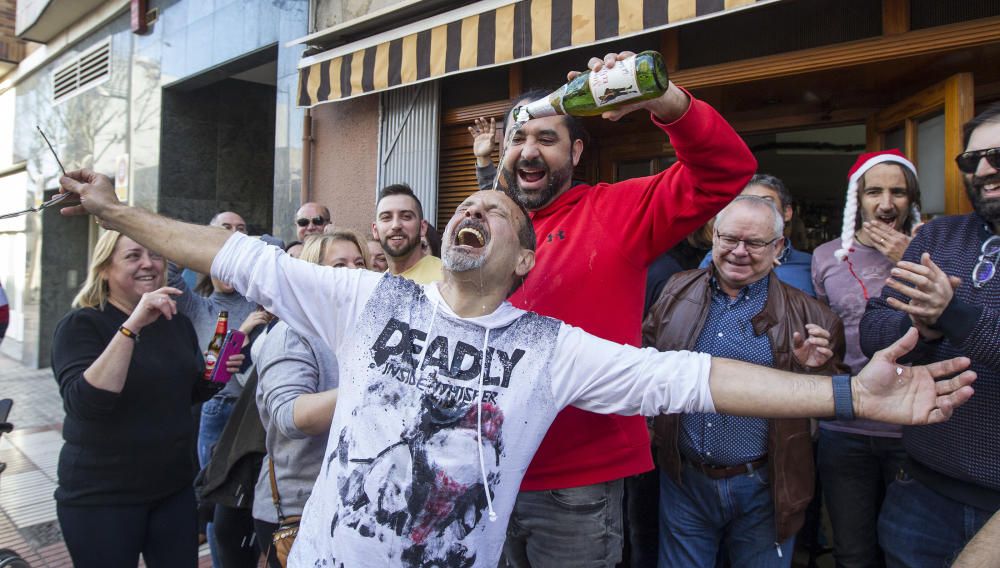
(519, 119)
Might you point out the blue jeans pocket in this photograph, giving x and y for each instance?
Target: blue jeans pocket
(213, 406)
(761, 477)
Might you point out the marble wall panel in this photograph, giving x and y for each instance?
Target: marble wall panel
(185, 160)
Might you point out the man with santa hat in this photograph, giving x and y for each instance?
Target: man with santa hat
(858, 459)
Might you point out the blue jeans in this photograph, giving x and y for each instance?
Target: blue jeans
(214, 415)
(702, 514)
(920, 527)
(578, 527)
(855, 471)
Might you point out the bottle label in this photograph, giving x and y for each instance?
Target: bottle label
(538, 109)
(615, 85)
(210, 360)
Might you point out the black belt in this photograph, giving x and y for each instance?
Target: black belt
(727, 471)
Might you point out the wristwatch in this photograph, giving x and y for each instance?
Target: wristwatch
(843, 403)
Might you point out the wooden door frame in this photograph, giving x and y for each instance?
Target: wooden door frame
(955, 97)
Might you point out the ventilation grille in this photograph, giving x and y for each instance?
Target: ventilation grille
(89, 69)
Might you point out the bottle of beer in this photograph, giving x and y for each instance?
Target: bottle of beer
(638, 78)
(214, 346)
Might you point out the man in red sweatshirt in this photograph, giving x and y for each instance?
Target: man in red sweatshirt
(594, 246)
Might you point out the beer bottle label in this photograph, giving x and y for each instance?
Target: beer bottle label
(615, 85)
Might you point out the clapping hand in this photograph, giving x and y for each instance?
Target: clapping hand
(929, 295)
(814, 351)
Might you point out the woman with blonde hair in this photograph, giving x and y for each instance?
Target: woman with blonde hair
(296, 374)
(125, 470)
(344, 247)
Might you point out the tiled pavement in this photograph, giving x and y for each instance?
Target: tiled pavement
(28, 522)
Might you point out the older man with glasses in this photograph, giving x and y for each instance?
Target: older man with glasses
(311, 219)
(742, 483)
(946, 286)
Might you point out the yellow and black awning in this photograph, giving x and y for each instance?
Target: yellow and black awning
(512, 32)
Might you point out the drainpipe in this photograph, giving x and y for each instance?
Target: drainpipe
(305, 192)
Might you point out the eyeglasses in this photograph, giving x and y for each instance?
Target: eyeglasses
(318, 221)
(729, 242)
(58, 197)
(969, 161)
(986, 268)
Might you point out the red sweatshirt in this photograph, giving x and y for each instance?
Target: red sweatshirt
(594, 246)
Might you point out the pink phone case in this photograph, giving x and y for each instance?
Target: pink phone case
(232, 345)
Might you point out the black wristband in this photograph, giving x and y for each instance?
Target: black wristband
(128, 333)
(843, 402)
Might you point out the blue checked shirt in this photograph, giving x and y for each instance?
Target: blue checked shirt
(717, 438)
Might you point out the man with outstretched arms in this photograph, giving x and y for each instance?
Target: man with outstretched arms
(449, 389)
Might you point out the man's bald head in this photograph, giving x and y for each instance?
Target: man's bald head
(229, 221)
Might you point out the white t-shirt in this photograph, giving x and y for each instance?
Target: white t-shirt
(402, 483)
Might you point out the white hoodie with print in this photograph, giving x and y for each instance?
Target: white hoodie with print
(433, 408)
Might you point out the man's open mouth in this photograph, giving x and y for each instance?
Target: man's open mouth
(888, 219)
(470, 236)
(530, 175)
(991, 190)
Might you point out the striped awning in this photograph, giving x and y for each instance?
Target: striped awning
(512, 32)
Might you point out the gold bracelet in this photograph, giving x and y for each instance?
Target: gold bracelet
(128, 333)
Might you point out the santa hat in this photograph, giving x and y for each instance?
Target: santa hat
(864, 163)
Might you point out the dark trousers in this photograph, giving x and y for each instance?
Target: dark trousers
(165, 533)
(855, 470)
(235, 541)
(264, 531)
(642, 498)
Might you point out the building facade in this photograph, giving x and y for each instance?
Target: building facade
(808, 83)
(189, 104)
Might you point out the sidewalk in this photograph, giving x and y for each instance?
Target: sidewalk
(28, 522)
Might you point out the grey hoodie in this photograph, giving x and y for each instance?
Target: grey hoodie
(289, 365)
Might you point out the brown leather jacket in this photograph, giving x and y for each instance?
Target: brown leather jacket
(676, 321)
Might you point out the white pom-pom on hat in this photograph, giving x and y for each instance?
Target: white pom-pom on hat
(864, 163)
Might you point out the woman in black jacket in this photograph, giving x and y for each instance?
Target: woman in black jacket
(128, 367)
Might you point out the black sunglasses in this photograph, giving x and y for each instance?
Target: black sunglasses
(318, 221)
(969, 161)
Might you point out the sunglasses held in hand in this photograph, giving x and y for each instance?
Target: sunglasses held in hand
(59, 197)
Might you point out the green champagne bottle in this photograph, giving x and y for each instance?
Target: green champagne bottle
(638, 78)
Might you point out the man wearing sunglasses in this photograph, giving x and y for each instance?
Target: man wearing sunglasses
(946, 286)
(310, 219)
(742, 483)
